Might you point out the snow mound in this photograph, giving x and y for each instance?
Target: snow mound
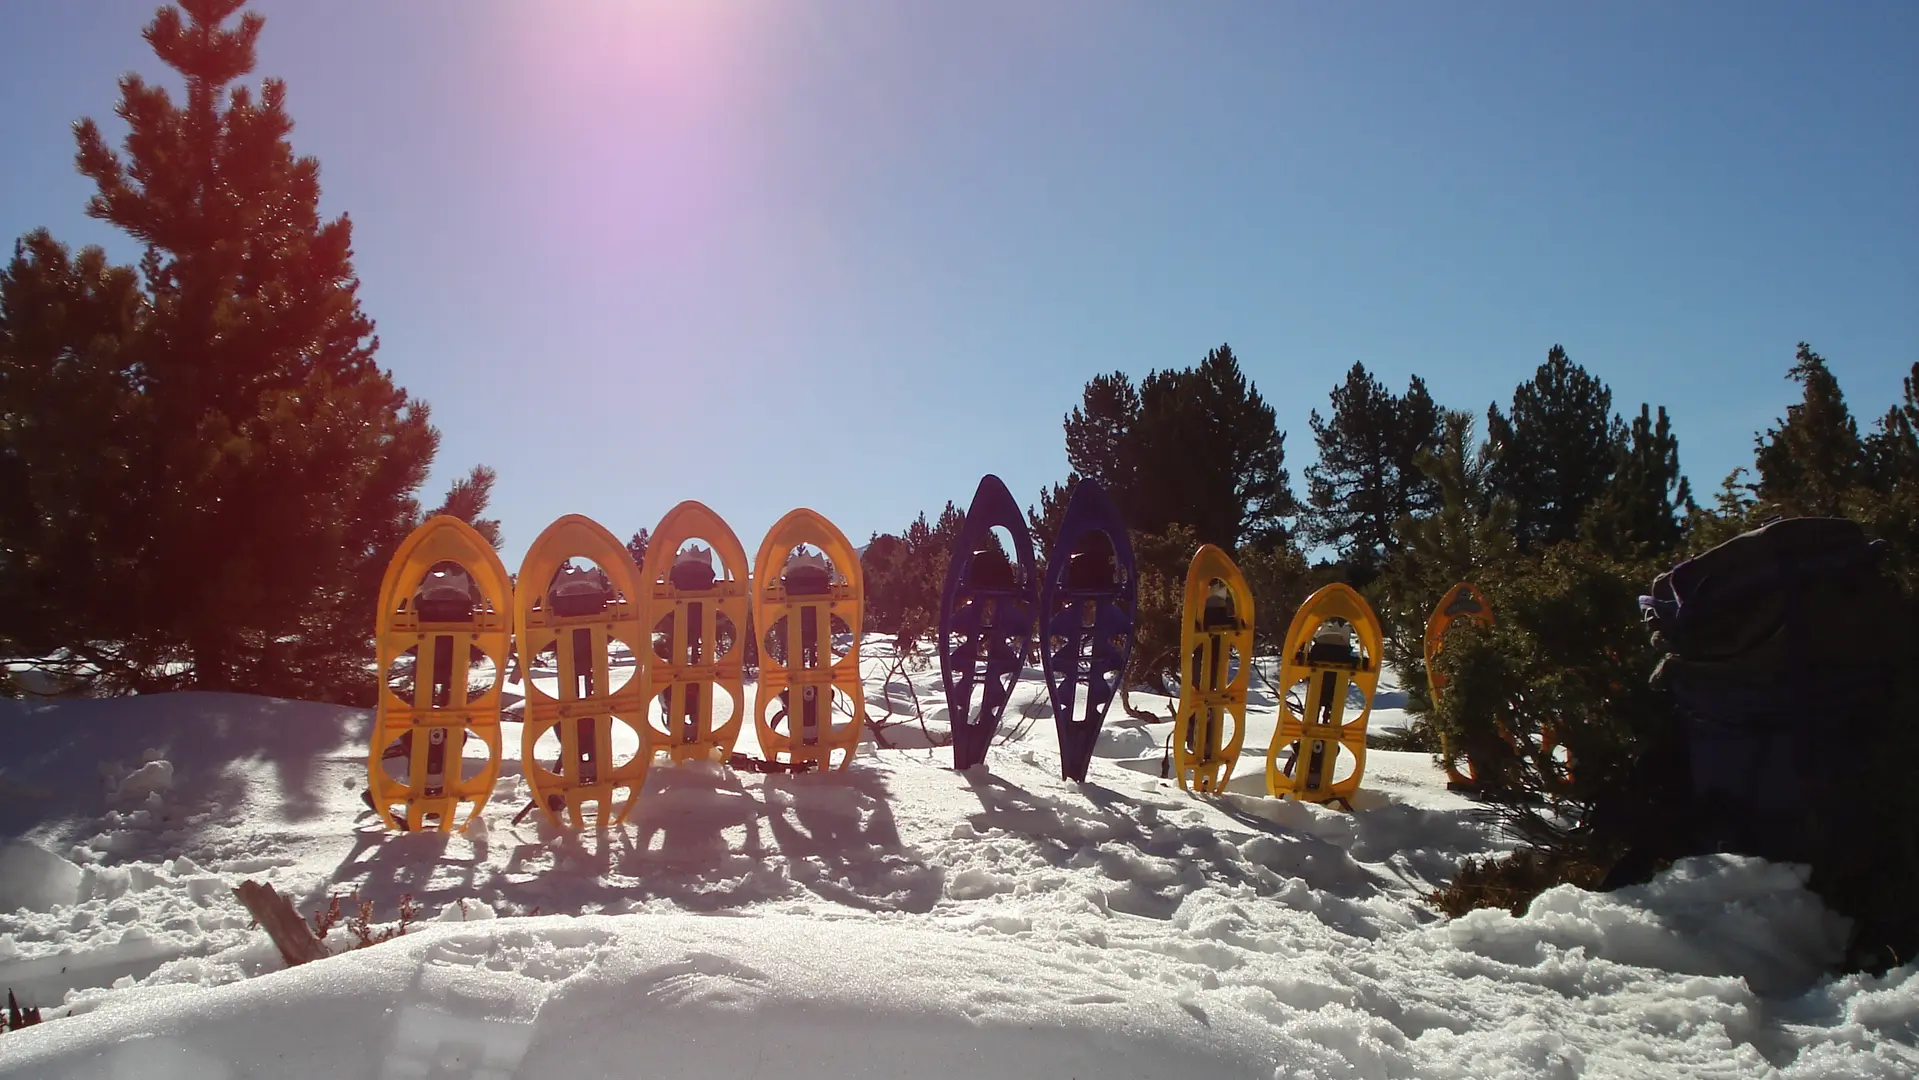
(142, 786)
(35, 879)
(1717, 915)
(680, 995)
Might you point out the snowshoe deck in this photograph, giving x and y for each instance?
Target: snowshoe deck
(794, 608)
(579, 624)
(1324, 667)
(698, 635)
(445, 611)
(986, 619)
(1086, 621)
(1216, 649)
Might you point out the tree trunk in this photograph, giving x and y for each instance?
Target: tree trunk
(212, 669)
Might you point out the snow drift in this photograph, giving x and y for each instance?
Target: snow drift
(897, 919)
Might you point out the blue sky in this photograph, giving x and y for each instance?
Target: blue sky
(852, 254)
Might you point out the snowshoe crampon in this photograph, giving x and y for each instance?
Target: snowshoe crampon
(986, 619)
(697, 596)
(1086, 621)
(442, 634)
(586, 744)
(1333, 648)
(807, 608)
(1215, 648)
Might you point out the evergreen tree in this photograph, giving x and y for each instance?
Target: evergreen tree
(1553, 456)
(1887, 500)
(906, 573)
(1101, 436)
(1733, 511)
(73, 433)
(1101, 442)
(1567, 660)
(1472, 528)
(1043, 519)
(263, 465)
(1468, 537)
(1418, 425)
(1892, 451)
(1350, 488)
(467, 500)
(1209, 454)
(1636, 517)
(636, 547)
(1162, 559)
(886, 593)
(1280, 581)
(1367, 477)
(1192, 456)
(1197, 447)
(1807, 463)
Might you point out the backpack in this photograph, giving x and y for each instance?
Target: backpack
(1776, 678)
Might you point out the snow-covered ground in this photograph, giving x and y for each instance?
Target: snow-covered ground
(899, 919)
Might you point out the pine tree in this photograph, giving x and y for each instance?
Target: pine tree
(1888, 503)
(1807, 464)
(1366, 478)
(1101, 436)
(1418, 423)
(636, 547)
(1279, 580)
(1637, 516)
(1162, 559)
(264, 465)
(1192, 456)
(1733, 511)
(881, 569)
(1468, 537)
(1209, 454)
(1567, 657)
(1555, 454)
(1043, 519)
(1350, 488)
(906, 573)
(1197, 446)
(72, 433)
(467, 500)
(1472, 527)
(1892, 451)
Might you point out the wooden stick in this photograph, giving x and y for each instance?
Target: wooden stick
(288, 930)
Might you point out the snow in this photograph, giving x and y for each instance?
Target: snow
(896, 919)
(35, 879)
